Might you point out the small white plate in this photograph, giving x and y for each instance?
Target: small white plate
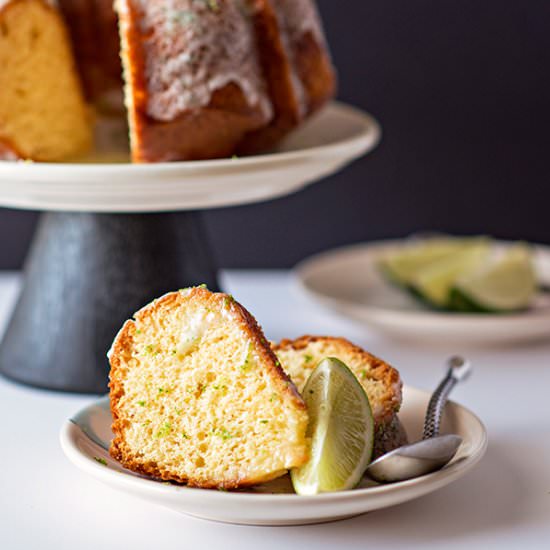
(85, 440)
(327, 142)
(348, 281)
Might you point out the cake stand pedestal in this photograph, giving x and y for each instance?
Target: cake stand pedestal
(117, 235)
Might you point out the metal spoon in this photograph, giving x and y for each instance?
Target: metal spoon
(433, 451)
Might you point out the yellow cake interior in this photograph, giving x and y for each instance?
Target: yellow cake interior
(198, 398)
(43, 114)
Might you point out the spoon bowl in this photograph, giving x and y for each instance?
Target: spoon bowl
(414, 460)
(433, 451)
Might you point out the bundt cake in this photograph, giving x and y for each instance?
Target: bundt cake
(380, 381)
(202, 78)
(43, 114)
(207, 79)
(198, 396)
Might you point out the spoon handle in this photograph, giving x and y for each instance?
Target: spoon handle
(459, 369)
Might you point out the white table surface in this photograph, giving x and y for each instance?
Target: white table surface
(47, 503)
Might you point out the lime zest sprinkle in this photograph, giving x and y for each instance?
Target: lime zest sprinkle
(213, 5)
(141, 403)
(151, 349)
(308, 358)
(100, 460)
(264, 421)
(222, 433)
(248, 359)
(184, 435)
(164, 430)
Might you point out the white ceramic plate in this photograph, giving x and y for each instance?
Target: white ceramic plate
(347, 280)
(323, 145)
(85, 439)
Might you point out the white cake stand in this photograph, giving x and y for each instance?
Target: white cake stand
(111, 240)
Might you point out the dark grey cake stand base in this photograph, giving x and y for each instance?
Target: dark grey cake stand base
(85, 275)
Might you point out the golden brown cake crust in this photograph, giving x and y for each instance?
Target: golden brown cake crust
(124, 341)
(278, 73)
(316, 72)
(378, 370)
(284, 62)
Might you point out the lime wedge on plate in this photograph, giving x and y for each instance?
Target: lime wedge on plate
(341, 429)
(434, 282)
(402, 264)
(506, 284)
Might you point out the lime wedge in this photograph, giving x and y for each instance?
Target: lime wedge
(341, 429)
(401, 265)
(505, 284)
(434, 282)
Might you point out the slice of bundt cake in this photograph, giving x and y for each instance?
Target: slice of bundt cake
(43, 115)
(297, 65)
(198, 396)
(380, 381)
(194, 85)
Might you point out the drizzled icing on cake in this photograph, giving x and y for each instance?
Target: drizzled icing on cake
(297, 18)
(195, 47)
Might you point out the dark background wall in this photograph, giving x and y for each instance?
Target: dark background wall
(462, 90)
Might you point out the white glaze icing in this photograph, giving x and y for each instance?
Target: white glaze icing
(193, 331)
(196, 47)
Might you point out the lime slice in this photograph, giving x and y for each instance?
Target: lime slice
(401, 265)
(505, 284)
(341, 429)
(434, 282)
